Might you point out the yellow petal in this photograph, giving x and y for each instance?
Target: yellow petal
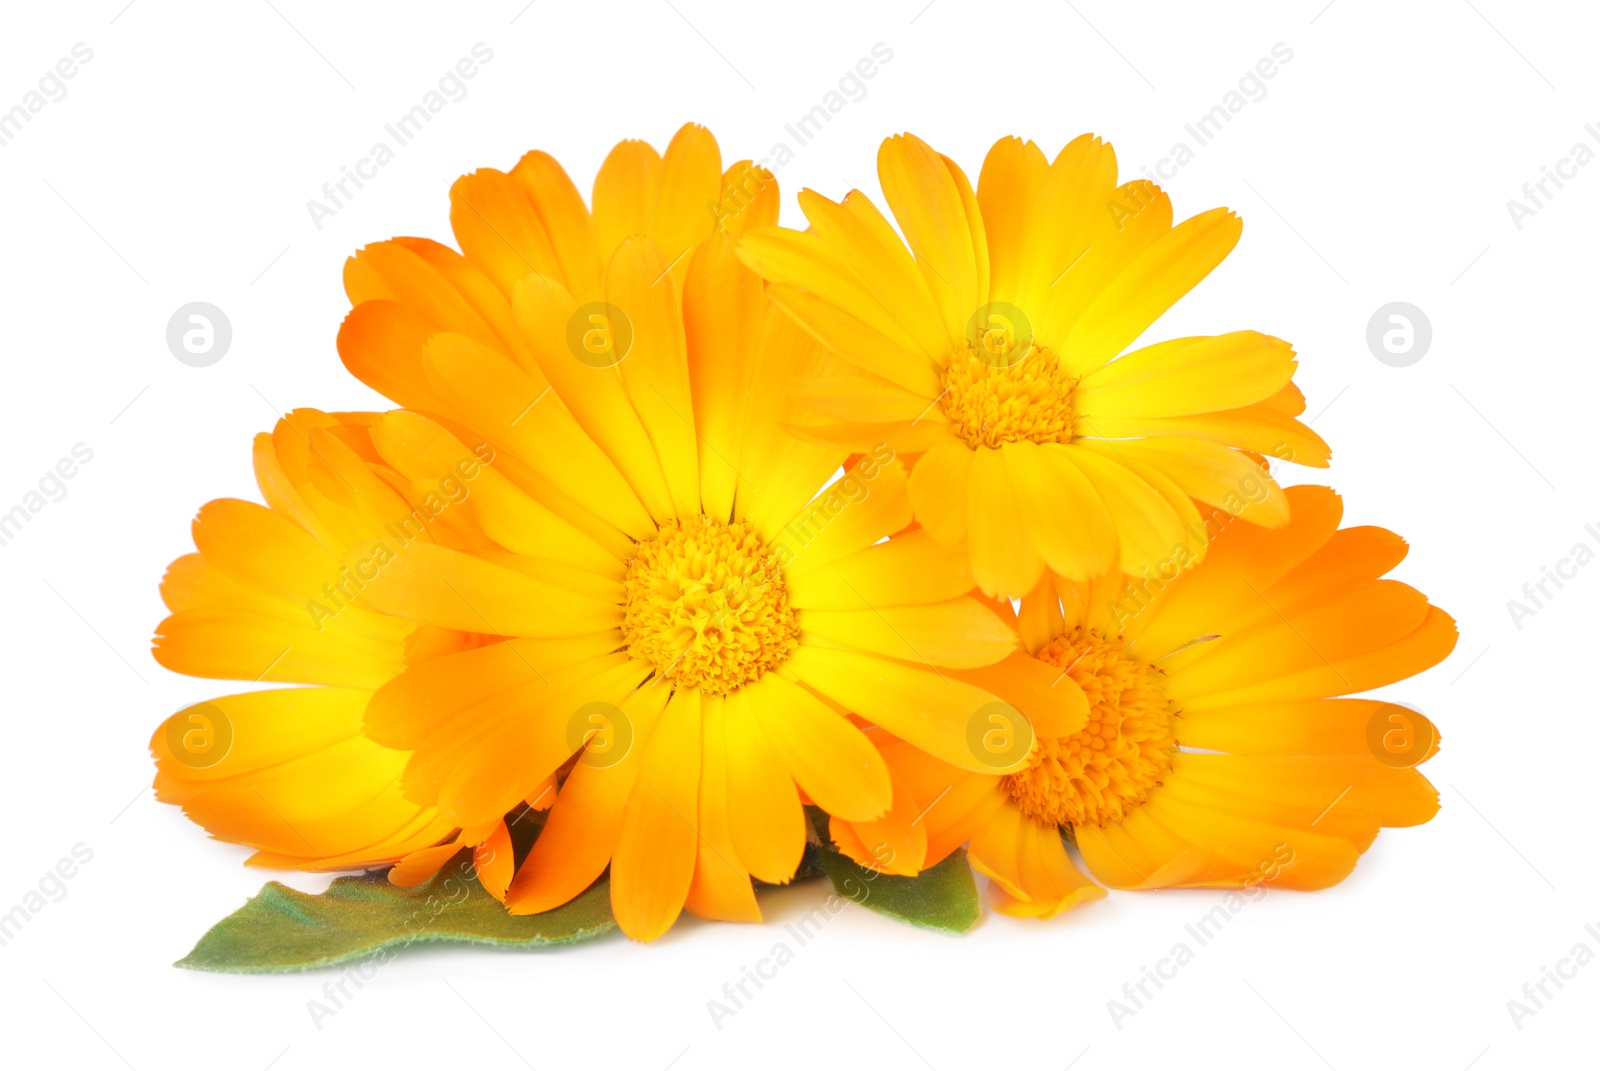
(263, 550)
(805, 261)
(892, 843)
(654, 861)
(424, 451)
(1214, 474)
(494, 862)
(927, 708)
(577, 840)
(522, 739)
(959, 634)
(438, 586)
(595, 395)
(297, 779)
(940, 484)
(932, 213)
(498, 229)
(626, 191)
(1149, 286)
(398, 271)
(881, 263)
(380, 343)
(722, 310)
(1188, 375)
(1259, 429)
(910, 569)
(565, 218)
(1062, 513)
(656, 371)
(861, 345)
(721, 887)
(234, 644)
(779, 470)
(764, 816)
(691, 184)
(1069, 252)
(1013, 175)
(852, 513)
(827, 756)
(1149, 531)
(1004, 558)
(1136, 216)
(522, 415)
(750, 198)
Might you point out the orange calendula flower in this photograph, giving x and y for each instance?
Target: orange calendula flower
(996, 349)
(585, 568)
(1217, 751)
(290, 771)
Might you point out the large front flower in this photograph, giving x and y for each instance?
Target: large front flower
(641, 607)
(995, 348)
(1215, 752)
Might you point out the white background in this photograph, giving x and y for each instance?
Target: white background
(1377, 168)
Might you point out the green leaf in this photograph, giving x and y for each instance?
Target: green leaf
(281, 929)
(943, 897)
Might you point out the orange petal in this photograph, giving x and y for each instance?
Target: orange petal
(654, 863)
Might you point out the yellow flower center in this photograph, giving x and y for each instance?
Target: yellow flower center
(705, 603)
(1105, 770)
(1029, 400)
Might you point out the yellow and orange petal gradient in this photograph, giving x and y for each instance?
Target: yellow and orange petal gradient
(589, 523)
(1218, 751)
(300, 783)
(996, 348)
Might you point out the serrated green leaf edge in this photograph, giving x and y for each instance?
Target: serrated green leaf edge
(281, 929)
(943, 897)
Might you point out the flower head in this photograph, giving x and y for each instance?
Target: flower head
(586, 567)
(1219, 749)
(996, 347)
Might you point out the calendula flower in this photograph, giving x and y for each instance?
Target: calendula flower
(1217, 751)
(632, 597)
(289, 771)
(995, 348)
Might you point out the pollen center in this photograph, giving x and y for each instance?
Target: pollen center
(990, 402)
(705, 603)
(1105, 770)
